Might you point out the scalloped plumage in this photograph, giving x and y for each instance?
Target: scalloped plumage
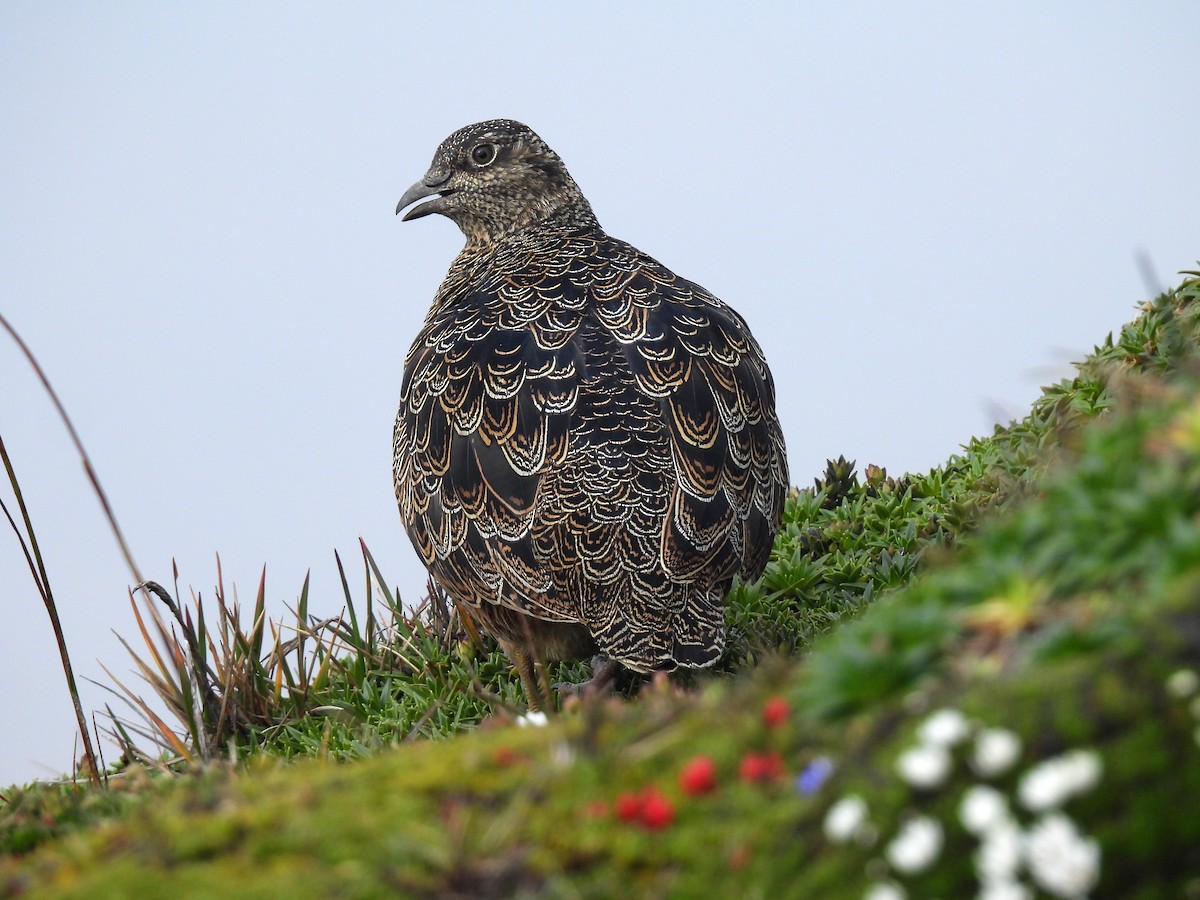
(586, 452)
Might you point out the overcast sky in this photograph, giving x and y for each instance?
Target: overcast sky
(923, 211)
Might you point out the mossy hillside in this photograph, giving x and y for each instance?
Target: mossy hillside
(1061, 619)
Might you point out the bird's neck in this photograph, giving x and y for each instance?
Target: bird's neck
(549, 215)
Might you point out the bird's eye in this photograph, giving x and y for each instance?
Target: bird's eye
(483, 154)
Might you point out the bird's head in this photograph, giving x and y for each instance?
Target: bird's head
(494, 178)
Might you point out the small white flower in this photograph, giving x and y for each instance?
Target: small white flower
(946, 727)
(982, 808)
(1004, 890)
(1183, 683)
(1061, 860)
(1053, 781)
(535, 718)
(845, 818)
(999, 855)
(996, 749)
(885, 890)
(1042, 787)
(916, 846)
(924, 766)
(1083, 769)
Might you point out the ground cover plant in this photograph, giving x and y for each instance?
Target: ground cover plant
(982, 680)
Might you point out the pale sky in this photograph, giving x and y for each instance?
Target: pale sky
(924, 211)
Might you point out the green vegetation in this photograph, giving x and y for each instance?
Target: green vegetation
(934, 670)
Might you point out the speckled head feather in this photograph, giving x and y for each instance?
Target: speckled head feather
(494, 178)
(586, 452)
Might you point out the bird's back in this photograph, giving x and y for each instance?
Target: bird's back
(586, 439)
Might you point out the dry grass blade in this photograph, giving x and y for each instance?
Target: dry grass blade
(165, 687)
(37, 568)
(164, 671)
(168, 736)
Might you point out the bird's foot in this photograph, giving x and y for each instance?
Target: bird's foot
(604, 676)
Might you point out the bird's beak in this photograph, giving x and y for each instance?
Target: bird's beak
(432, 184)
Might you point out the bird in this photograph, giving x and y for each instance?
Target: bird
(586, 452)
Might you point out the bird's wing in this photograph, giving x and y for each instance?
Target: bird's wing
(697, 357)
(489, 388)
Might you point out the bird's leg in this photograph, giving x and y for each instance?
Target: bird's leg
(524, 664)
(604, 675)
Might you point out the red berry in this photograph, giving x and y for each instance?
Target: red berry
(776, 711)
(761, 766)
(751, 768)
(657, 810)
(628, 807)
(699, 776)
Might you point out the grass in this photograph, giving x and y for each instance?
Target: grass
(1044, 582)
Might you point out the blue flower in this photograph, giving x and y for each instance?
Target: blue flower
(814, 775)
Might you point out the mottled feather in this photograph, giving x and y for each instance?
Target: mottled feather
(586, 452)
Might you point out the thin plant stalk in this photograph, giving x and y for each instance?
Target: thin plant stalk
(83, 455)
(38, 569)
